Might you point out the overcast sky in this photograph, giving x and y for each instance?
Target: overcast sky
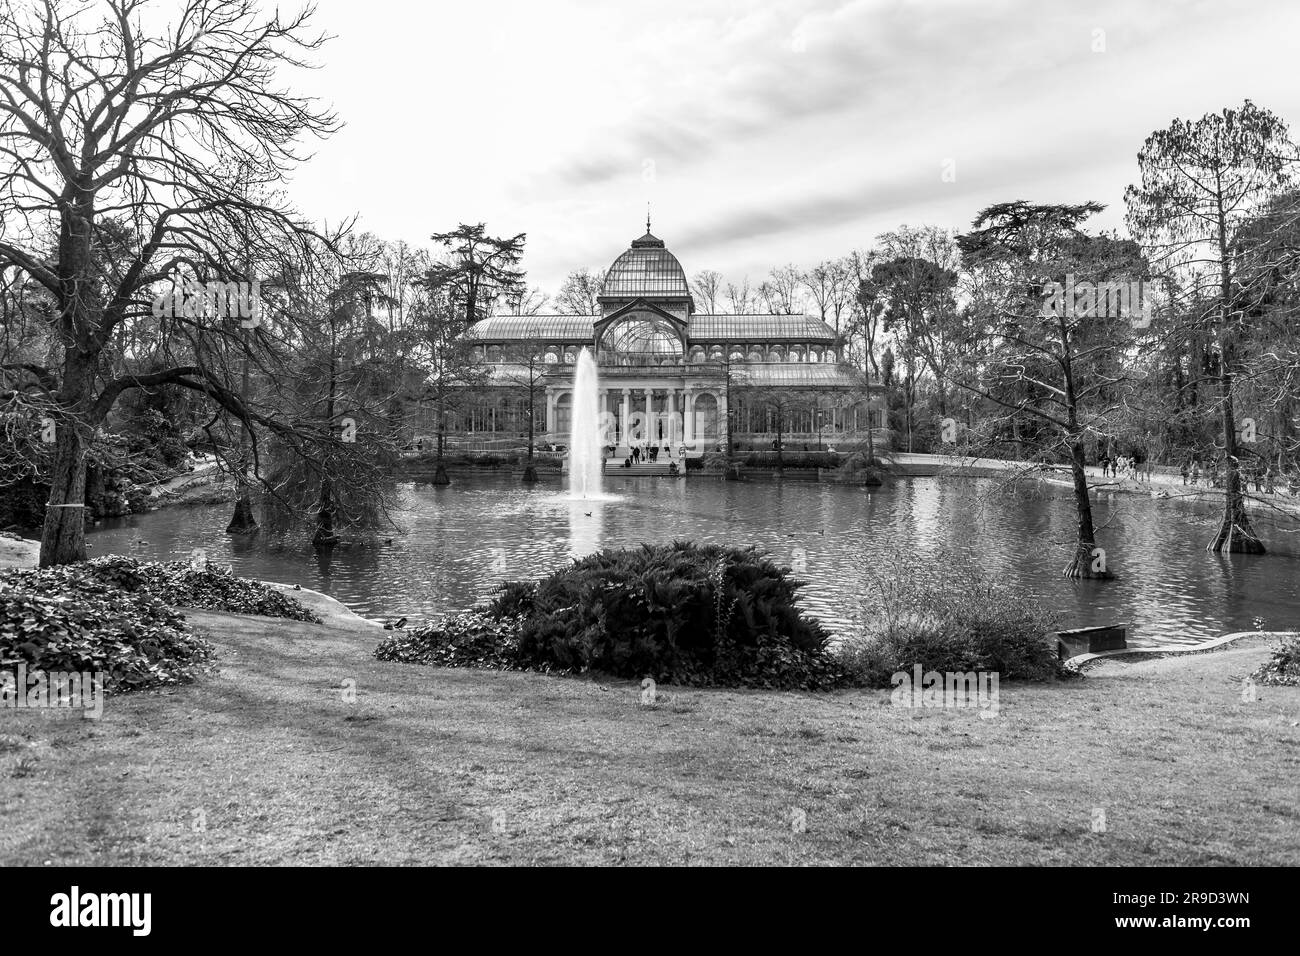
(762, 133)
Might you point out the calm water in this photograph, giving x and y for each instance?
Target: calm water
(459, 542)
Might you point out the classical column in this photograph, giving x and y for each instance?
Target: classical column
(672, 410)
(550, 411)
(625, 416)
(688, 417)
(649, 412)
(723, 435)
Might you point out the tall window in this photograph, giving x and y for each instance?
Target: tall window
(706, 417)
(563, 414)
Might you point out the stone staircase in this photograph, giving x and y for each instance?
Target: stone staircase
(614, 469)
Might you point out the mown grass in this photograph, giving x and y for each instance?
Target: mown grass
(267, 763)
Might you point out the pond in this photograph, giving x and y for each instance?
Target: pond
(458, 543)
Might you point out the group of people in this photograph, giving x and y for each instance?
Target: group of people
(1126, 466)
(1262, 475)
(646, 451)
(649, 451)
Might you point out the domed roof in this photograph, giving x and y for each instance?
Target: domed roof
(647, 269)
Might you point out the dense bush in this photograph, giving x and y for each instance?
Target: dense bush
(1283, 667)
(176, 583)
(133, 638)
(681, 613)
(958, 620)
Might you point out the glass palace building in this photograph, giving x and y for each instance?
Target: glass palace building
(669, 374)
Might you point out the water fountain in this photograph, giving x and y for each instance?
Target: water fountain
(585, 452)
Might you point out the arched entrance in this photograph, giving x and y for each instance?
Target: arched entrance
(563, 414)
(706, 417)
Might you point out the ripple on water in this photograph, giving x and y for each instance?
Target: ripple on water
(461, 541)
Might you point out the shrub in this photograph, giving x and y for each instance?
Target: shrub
(1283, 667)
(132, 637)
(792, 459)
(681, 613)
(469, 639)
(963, 622)
(858, 467)
(176, 584)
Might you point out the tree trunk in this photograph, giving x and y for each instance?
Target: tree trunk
(325, 536)
(1085, 564)
(780, 443)
(63, 536)
(1235, 532)
(242, 521)
(532, 416)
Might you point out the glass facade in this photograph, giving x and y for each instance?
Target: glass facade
(748, 375)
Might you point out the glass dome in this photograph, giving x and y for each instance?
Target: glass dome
(647, 269)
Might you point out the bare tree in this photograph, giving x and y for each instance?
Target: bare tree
(740, 300)
(99, 118)
(865, 313)
(780, 293)
(579, 291)
(706, 287)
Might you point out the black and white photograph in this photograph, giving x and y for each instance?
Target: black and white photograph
(560, 433)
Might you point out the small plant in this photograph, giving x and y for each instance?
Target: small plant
(469, 639)
(1283, 667)
(959, 621)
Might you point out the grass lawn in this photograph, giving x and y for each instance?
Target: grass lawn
(265, 762)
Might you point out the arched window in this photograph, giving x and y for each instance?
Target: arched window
(706, 417)
(814, 355)
(570, 356)
(796, 354)
(715, 353)
(494, 353)
(697, 353)
(640, 339)
(776, 354)
(737, 355)
(563, 414)
(756, 354)
(551, 358)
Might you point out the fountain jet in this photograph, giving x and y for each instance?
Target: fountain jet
(585, 452)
